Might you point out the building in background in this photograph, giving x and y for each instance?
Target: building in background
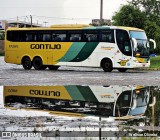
(97, 22)
(21, 24)
(4, 24)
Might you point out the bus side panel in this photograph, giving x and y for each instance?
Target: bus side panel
(104, 50)
(11, 52)
(56, 55)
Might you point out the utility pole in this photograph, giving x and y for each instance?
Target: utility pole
(31, 20)
(101, 11)
(17, 22)
(45, 22)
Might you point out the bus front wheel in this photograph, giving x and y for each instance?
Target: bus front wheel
(37, 63)
(26, 63)
(107, 65)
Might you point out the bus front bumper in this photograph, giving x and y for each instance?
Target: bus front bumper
(141, 65)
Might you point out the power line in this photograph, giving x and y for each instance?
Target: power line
(46, 17)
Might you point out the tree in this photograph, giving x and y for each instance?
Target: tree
(129, 16)
(144, 14)
(150, 7)
(153, 31)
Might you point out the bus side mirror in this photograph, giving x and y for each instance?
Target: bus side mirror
(134, 43)
(153, 102)
(151, 40)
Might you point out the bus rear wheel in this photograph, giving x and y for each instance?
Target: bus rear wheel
(107, 65)
(37, 63)
(122, 69)
(26, 63)
(52, 67)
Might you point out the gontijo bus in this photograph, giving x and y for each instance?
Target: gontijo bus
(108, 47)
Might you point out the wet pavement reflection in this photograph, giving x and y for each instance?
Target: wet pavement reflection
(99, 110)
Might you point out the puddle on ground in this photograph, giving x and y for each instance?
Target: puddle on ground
(80, 111)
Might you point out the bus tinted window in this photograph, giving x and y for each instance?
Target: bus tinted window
(13, 35)
(44, 36)
(107, 36)
(91, 36)
(59, 36)
(75, 36)
(31, 37)
(21, 36)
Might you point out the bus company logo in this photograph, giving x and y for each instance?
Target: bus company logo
(123, 62)
(106, 96)
(106, 48)
(45, 46)
(44, 93)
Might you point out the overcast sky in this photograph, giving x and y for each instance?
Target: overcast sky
(57, 11)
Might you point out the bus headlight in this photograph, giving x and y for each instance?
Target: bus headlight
(136, 61)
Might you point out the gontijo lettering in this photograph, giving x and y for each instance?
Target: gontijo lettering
(45, 46)
(44, 92)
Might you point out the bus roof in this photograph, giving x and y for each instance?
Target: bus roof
(77, 26)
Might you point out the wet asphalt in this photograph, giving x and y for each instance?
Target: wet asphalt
(11, 74)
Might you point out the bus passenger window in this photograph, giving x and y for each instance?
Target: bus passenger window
(28, 37)
(31, 37)
(91, 36)
(59, 37)
(46, 37)
(108, 36)
(75, 37)
(13, 36)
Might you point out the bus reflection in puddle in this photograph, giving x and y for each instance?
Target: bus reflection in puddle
(122, 102)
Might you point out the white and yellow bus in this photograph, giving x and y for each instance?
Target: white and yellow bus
(108, 47)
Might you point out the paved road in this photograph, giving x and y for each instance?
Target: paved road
(11, 74)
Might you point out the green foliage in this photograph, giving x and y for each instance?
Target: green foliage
(2, 35)
(155, 62)
(144, 14)
(129, 16)
(150, 7)
(153, 31)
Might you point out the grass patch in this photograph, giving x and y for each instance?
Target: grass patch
(155, 62)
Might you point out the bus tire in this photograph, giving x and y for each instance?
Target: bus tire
(107, 65)
(37, 63)
(26, 63)
(122, 69)
(52, 67)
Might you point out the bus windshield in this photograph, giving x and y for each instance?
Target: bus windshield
(142, 42)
